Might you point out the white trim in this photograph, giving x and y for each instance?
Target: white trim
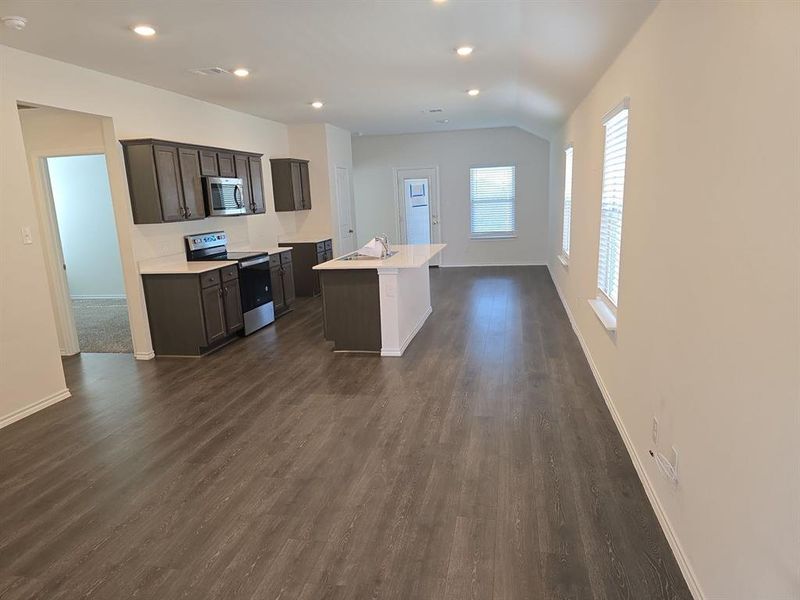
(624, 104)
(680, 554)
(144, 355)
(98, 296)
(607, 318)
(493, 236)
(506, 264)
(35, 407)
(407, 341)
(564, 260)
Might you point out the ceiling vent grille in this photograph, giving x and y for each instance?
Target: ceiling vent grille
(210, 71)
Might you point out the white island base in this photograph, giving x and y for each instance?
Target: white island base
(395, 290)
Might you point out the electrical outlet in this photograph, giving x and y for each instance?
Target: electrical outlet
(27, 238)
(654, 431)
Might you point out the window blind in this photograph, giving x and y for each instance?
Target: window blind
(611, 206)
(492, 199)
(567, 201)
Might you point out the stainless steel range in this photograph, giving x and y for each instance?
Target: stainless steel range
(254, 279)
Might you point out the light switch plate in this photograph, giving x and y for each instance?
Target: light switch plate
(27, 238)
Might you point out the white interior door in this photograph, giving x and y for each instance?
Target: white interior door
(418, 207)
(344, 200)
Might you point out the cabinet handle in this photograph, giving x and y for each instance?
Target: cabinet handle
(188, 213)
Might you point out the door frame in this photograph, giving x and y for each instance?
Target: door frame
(52, 246)
(434, 203)
(348, 170)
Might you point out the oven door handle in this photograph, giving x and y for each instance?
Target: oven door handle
(254, 261)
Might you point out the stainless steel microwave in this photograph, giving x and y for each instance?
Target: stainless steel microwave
(224, 196)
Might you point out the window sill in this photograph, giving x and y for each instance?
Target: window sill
(499, 236)
(603, 312)
(564, 260)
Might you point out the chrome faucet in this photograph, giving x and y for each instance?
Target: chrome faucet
(384, 240)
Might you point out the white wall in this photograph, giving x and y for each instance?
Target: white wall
(325, 147)
(88, 233)
(709, 327)
(454, 153)
(30, 367)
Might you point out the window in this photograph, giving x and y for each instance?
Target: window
(614, 154)
(567, 202)
(491, 192)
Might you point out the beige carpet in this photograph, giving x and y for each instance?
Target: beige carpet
(102, 325)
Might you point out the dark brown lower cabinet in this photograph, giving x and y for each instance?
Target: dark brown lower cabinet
(306, 255)
(192, 314)
(282, 276)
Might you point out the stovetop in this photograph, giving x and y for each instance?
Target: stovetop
(229, 256)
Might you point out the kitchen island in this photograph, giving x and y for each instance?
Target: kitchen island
(377, 304)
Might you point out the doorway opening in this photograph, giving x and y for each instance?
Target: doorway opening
(79, 196)
(344, 202)
(418, 207)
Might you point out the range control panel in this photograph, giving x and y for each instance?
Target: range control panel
(200, 241)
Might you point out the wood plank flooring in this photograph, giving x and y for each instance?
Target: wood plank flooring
(483, 464)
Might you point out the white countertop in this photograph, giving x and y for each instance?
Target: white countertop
(304, 238)
(270, 250)
(178, 265)
(408, 257)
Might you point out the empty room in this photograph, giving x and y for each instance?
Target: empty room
(400, 299)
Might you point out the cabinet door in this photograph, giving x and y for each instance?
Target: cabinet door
(214, 314)
(288, 284)
(257, 185)
(297, 186)
(277, 289)
(208, 163)
(169, 185)
(233, 305)
(191, 183)
(226, 166)
(306, 192)
(243, 172)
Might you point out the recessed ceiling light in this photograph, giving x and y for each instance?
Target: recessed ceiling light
(464, 50)
(15, 23)
(473, 92)
(439, 1)
(241, 72)
(144, 30)
(317, 104)
(443, 121)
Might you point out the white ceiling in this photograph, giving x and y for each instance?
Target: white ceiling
(378, 65)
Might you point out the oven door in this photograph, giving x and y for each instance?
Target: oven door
(256, 290)
(224, 196)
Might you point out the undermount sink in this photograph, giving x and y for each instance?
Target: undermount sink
(357, 256)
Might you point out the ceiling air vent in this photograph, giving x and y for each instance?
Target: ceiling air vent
(210, 71)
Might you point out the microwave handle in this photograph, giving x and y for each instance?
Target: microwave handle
(238, 195)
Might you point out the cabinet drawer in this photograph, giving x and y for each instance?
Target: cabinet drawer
(328, 244)
(320, 246)
(230, 272)
(286, 257)
(209, 278)
(274, 260)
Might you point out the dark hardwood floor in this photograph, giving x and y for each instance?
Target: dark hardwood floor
(483, 464)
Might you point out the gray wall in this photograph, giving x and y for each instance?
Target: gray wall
(454, 152)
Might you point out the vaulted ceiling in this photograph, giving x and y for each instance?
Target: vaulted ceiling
(378, 66)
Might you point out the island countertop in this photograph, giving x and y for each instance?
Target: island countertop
(410, 256)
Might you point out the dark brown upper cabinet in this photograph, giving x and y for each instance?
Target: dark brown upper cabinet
(165, 178)
(208, 163)
(290, 184)
(257, 184)
(227, 168)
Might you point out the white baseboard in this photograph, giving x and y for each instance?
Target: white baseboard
(669, 532)
(99, 297)
(399, 351)
(504, 264)
(144, 355)
(32, 408)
